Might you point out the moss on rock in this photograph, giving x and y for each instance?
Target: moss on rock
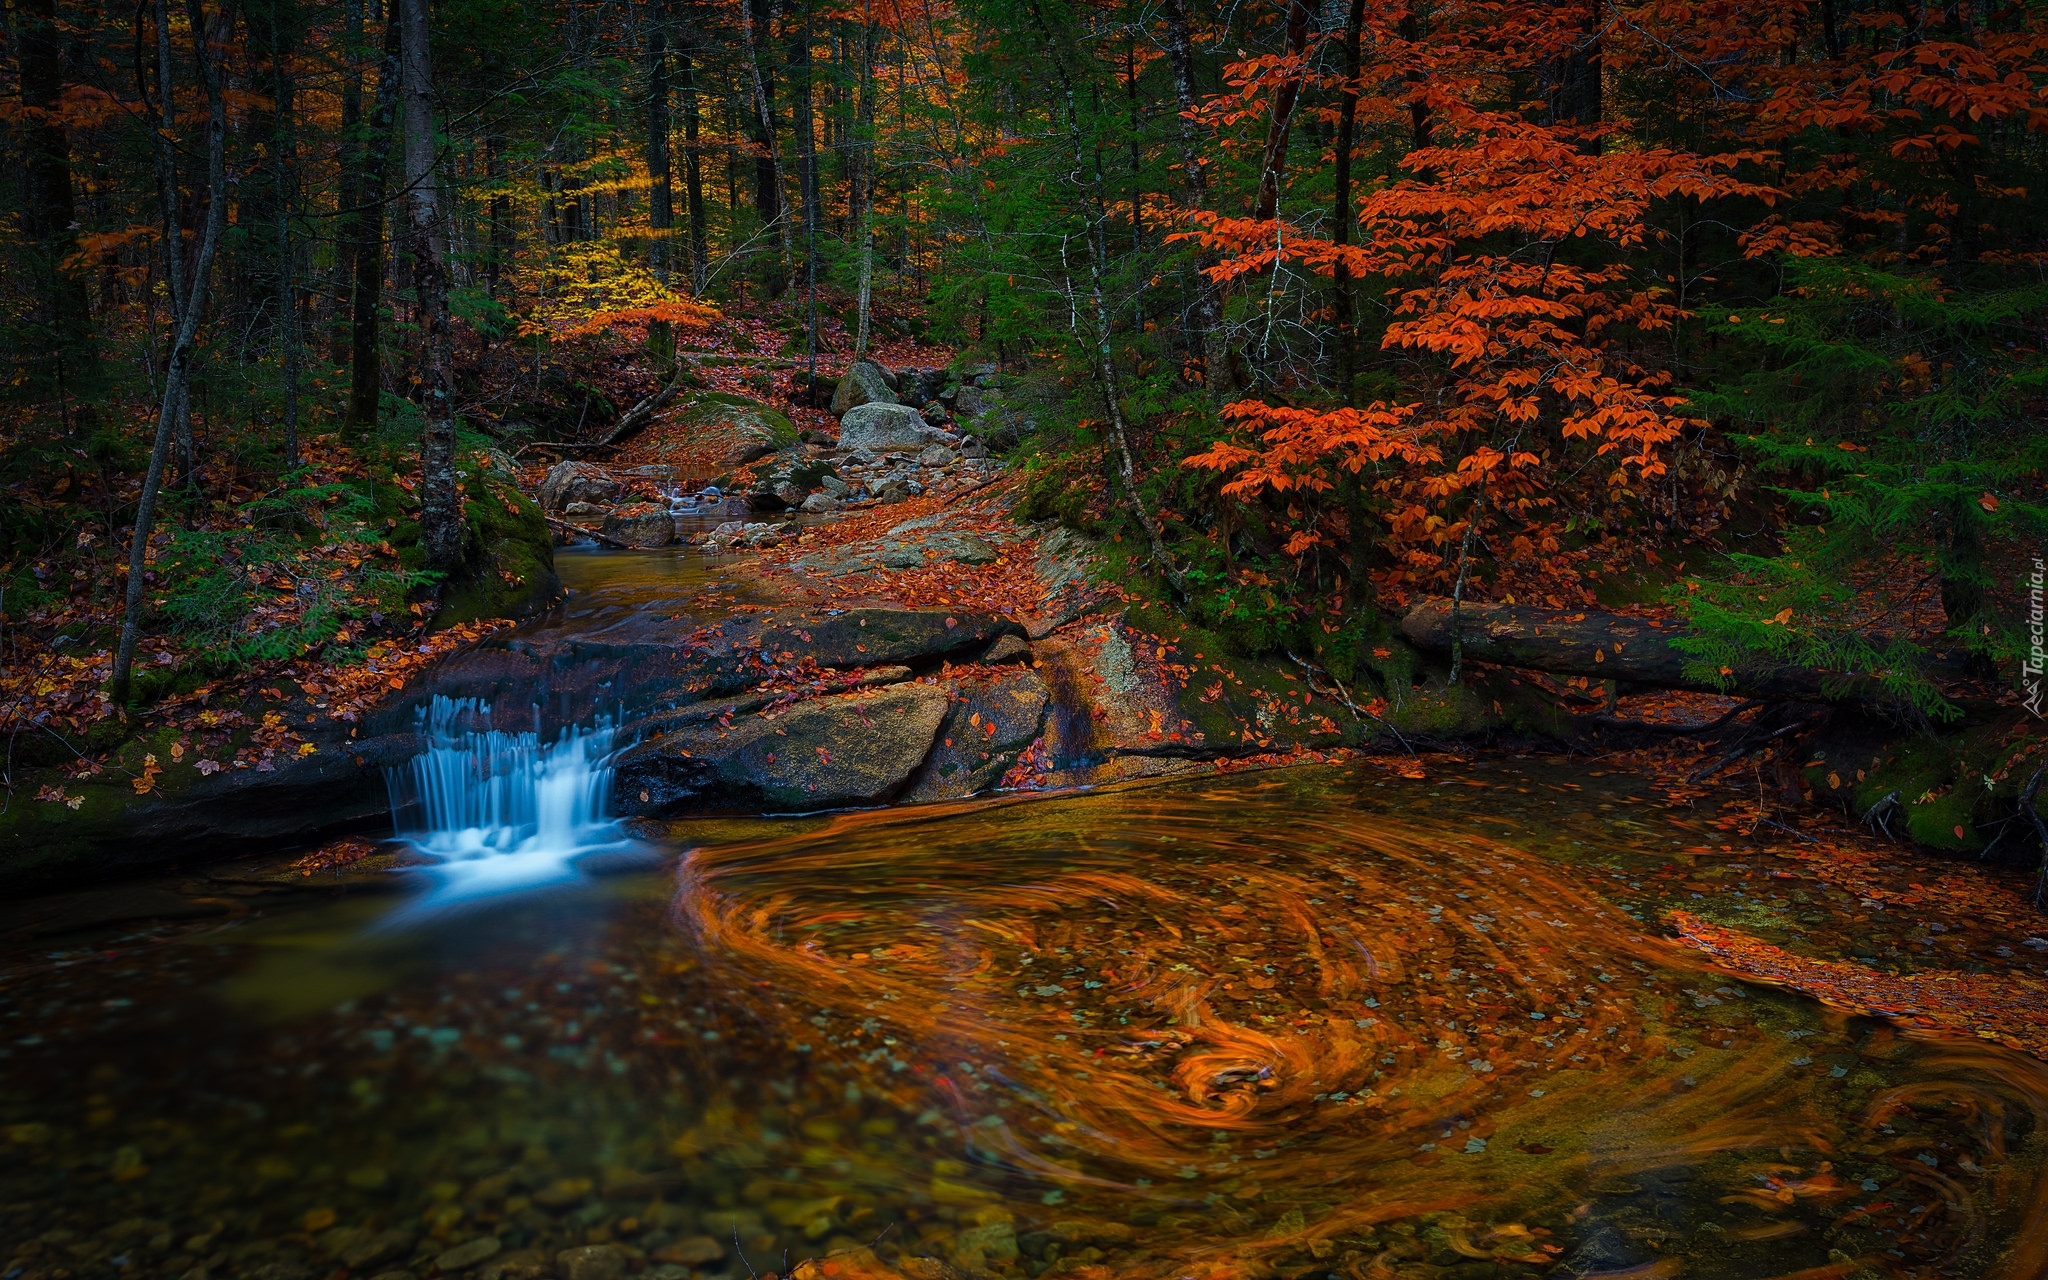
(508, 568)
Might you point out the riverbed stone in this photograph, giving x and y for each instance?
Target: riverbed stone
(641, 524)
(591, 1262)
(990, 722)
(821, 754)
(568, 482)
(865, 382)
(885, 426)
(692, 1251)
(464, 1256)
(819, 504)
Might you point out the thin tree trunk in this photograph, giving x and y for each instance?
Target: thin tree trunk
(864, 191)
(366, 234)
(661, 181)
(805, 123)
(1273, 162)
(189, 301)
(1421, 126)
(1207, 318)
(693, 179)
(1343, 218)
(49, 215)
(499, 252)
(349, 180)
(768, 162)
(441, 528)
(284, 148)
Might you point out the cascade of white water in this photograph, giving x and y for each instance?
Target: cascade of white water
(500, 810)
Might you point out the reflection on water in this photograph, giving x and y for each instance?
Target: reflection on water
(1263, 1026)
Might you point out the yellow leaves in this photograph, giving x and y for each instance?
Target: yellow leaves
(147, 781)
(1782, 618)
(307, 749)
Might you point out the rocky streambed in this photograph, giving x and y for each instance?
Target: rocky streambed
(729, 705)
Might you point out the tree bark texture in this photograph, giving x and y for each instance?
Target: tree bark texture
(1610, 646)
(1207, 319)
(364, 231)
(441, 529)
(188, 297)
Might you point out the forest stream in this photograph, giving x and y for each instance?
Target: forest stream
(1317, 1021)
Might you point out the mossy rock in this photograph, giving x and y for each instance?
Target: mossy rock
(1968, 779)
(715, 409)
(508, 568)
(1944, 822)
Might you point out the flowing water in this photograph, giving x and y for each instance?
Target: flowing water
(497, 810)
(1318, 1022)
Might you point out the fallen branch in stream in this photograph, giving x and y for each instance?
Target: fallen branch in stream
(1343, 695)
(592, 534)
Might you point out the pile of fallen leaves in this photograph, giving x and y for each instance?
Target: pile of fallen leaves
(2008, 1007)
(1009, 586)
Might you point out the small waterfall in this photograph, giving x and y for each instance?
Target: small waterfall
(500, 810)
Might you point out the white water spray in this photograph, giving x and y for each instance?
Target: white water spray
(497, 810)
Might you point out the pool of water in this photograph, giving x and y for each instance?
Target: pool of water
(1316, 1022)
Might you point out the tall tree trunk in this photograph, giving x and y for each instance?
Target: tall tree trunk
(661, 181)
(864, 191)
(1207, 318)
(1577, 97)
(284, 149)
(1280, 124)
(188, 296)
(693, 179)
(365, 233)
(348, 182)
(768, 159)
(499, 251)
(1137, 177)
(441, 529)
(805, 126)
(1343, 218)
(49, 215)
(1421, 125)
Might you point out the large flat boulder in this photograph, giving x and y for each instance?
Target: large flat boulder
(880, 428)
(992, 720)
(865, 383)
(641, 524)
(826, 753)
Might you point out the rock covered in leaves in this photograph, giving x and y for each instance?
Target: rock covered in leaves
(641, 524)
(992, 720)
(821, 754)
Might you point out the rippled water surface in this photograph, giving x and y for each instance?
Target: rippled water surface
(1293, 1024)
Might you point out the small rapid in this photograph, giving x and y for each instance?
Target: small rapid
(500, 810)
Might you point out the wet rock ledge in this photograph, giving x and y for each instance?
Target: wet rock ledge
(782, 711)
